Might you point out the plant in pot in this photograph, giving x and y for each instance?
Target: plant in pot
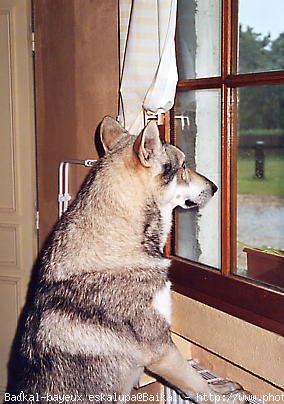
(265, 264)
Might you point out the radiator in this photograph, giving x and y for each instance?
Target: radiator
(172, 397)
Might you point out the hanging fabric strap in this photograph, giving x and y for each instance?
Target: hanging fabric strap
(148, 72)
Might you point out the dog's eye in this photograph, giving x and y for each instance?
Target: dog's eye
(183, 165)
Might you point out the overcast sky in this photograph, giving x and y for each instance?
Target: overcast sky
(263, 15)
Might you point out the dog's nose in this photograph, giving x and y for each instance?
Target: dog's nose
(214, 188)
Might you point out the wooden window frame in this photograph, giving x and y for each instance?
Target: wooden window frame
(223, 290)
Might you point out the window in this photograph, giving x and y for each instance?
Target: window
(228, 119)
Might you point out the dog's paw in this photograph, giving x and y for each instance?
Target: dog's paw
(229, 392)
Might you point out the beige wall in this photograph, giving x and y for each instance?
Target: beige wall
(230, 346)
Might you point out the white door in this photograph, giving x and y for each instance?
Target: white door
(18, 237)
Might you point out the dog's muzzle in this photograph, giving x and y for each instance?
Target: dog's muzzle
(189, 204)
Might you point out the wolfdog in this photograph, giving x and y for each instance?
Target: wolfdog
(99, 312)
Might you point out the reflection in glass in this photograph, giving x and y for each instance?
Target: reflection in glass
(261, 35)
(198, 135)
(198, 38)
(260, 204)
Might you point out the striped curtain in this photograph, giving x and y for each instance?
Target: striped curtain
(148, 72)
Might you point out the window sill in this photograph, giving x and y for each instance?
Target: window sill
(233, 295)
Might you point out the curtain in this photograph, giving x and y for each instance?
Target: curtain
(148, 72)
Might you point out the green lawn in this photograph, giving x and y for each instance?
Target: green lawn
(272, 184)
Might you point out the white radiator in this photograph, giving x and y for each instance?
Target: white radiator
(172, 397)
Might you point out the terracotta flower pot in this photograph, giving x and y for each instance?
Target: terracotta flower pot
(265, 267)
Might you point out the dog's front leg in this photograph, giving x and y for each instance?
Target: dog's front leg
(174, 369)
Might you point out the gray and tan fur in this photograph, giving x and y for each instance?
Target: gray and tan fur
(99, 312)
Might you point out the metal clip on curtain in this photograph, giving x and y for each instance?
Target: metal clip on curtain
(159, 117)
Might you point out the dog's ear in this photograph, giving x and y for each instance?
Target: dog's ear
(148, 144)
(111, 132)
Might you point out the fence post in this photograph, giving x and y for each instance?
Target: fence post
(259, 159)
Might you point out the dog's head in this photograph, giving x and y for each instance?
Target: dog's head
(160, 164)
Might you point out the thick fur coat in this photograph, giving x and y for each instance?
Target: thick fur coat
(98, 313)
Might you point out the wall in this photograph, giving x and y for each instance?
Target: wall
(76, 73)
(232, 347)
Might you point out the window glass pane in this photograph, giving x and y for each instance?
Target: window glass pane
(260, 203)
(197, 120)
(261, 35)
(198, 38)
